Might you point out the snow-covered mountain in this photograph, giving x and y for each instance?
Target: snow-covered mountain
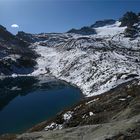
(95, 63)
(15, 56)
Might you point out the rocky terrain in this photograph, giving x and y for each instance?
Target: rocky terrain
(15, 56)
(95, 63)
(101, 58)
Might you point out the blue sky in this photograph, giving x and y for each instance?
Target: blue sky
(36, 16)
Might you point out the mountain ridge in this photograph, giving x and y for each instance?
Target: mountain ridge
(15, 54)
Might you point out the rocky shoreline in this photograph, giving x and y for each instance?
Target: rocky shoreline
(121, 95)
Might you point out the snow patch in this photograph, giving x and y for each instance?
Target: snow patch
(110, 30)
(91, 113)
(67, 115)
(122, 99)
(53, 126)
(15, 88)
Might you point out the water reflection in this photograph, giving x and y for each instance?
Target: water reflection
(20, 86)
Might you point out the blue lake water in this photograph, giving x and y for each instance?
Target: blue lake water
(24, 102)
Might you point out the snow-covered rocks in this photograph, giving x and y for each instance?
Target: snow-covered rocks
(110, 30)
(53, 126)
(91, 113)
(95, 64)
(67, 115)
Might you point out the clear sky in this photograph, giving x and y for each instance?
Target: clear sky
(36, 16)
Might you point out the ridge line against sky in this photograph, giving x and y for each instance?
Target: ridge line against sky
(36, 16)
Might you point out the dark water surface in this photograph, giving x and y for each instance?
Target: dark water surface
(24, 102)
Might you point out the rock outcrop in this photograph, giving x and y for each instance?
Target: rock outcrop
(15, 54)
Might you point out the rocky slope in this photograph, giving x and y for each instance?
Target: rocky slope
(95, 63)
(15, 56)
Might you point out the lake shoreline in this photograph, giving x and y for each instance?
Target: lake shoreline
(43, 79)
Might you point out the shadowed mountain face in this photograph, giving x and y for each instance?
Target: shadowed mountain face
(102, 23)
(28, 37)
(83, 31)
(15, 56)
(129, 19)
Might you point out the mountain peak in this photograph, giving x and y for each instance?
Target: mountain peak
(83, 31)
(129, 19)
(101, 23)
